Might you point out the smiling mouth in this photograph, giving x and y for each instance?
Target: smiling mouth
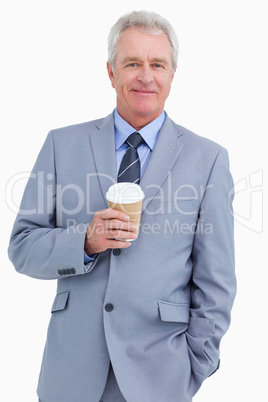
(142, 92)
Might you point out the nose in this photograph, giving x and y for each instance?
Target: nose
(145, 75)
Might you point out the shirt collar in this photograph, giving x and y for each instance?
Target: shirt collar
(149, 133)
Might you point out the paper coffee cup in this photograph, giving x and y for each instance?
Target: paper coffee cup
(126, 197)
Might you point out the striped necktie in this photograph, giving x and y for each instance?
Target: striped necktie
(129, 170)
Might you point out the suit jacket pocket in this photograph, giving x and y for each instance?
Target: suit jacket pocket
(60, 301)
(173, 312)
(173, 220)
(186, 206)
(198, 334)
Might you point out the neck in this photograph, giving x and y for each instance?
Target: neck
(138, 121)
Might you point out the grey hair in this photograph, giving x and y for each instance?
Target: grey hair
(146, 21)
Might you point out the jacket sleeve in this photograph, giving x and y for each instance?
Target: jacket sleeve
(38, 248)
(213, 278)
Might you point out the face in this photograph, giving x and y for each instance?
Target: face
(142, 76)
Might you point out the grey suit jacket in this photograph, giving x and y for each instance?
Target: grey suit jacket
(157, 310)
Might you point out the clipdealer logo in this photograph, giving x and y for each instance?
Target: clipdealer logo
(248, 201)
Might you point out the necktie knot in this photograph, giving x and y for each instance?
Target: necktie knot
(134, 140)
(129, 170)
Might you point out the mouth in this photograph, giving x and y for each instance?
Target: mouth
(143, 92)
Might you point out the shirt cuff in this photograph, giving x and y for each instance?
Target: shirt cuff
(88, 258)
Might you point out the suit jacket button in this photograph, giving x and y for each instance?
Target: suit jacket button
(64, 271)
(69, 271)
(109, 307)
(60, 272)
(116, 251)
(73, 271)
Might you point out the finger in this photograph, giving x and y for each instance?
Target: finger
(117, 224)
(118, 244)
(120, 234)
(112, 214)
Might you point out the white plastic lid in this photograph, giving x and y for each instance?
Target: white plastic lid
(124, 193)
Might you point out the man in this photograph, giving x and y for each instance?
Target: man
(136, 321)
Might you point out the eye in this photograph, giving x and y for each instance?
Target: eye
(156, 65)
(132, 65)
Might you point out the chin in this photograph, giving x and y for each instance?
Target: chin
(144, 109)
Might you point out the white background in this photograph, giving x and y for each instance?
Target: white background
(53, 73)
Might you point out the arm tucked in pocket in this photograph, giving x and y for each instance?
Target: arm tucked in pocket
(198, 334)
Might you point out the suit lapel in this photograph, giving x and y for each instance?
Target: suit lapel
(103, 147)
(166, 151)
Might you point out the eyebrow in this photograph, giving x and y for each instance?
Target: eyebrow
(131, 59)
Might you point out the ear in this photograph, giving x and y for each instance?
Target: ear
(173, 73)
(110, 73)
